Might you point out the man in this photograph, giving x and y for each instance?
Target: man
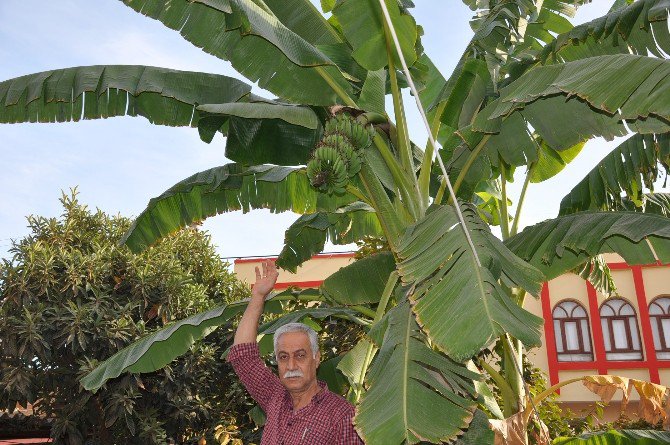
(300, 410)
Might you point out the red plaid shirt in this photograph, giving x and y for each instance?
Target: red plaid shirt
(326, 420)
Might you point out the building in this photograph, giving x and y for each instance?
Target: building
(585, 333)
(310, 274)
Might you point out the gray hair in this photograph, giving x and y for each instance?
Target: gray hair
(298, 327)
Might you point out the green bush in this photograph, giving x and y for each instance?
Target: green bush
(70, 296)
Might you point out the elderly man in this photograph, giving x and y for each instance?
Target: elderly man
(300, 409)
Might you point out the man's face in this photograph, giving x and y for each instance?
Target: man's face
(296, 363)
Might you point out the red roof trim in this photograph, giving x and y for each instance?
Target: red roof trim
(321, 256)
(300, 284)
(623, 265)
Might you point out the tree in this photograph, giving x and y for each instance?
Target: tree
(71, 297)
(529, 91)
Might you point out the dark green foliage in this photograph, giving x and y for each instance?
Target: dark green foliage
(71, 296)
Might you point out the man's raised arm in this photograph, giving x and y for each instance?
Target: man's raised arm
(244, 355)
(247, 330)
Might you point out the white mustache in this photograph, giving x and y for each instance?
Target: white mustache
(296, 373)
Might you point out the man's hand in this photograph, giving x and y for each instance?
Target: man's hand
(266, 280)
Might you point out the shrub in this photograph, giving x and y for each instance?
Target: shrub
(70, 296)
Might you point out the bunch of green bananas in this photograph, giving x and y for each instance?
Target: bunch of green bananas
(339, 154)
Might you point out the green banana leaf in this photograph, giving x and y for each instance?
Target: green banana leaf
(596, 271)
(656, 203)
(307, 235)
(629, 168)
(478, 433)
(317, 312)
(514, 30)
(558, 245)
(291, 114)
(415, 393)
(223, 189)
(620, 437)
(258, 44)
(500, 26)
(453, 295)
(156, 350)
(465, 97)
(551, 20)
(163, 96)
(551, 162)
(159, 348)
(586, 98)
(361, 282)
(354, 364)
(261, 131)
(373, 93)
(328, 372)
(363, 25)
(639, 28)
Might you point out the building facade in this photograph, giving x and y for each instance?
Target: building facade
(585, 333)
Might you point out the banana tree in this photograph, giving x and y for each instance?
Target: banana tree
(528, 92)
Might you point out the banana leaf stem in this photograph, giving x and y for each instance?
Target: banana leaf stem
(469, 162)
(522, 197)
(381, 310)
(427, 162)
(508, 396)
(363, 310)
(512, 376)
(504, 216)
(440, 191)
(403, 137)
(386, 295)
(388, 218)
(401, 178)
(308, 298)
(336, 88)
(358, 193)
(549, 391)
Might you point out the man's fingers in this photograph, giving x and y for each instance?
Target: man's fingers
(258, 273)
(265, 268)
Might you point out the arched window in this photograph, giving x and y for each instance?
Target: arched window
(620, 331)
(571, 329)
(659, 313)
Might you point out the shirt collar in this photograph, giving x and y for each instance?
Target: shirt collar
(317, 398)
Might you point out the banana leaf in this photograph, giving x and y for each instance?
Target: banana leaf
(156, 350)
(631, 167)
(453, 295)
(363, 25)
(558, 245)
(258, 44)
(361, 282)
(163, 96)
(415, 394)
(223, 189)
(639, 28)
(307, 235)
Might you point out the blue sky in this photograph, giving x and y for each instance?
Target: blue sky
(120, 163)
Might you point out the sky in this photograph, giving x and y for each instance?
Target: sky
(118, 164)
